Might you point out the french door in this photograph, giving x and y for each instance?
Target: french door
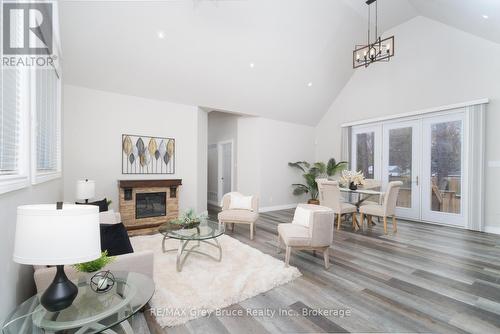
(443, 176)
(427, 154)
(400, 162)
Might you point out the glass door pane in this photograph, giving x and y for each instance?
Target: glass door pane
(365, 154)
(401, 163)
(446, 166)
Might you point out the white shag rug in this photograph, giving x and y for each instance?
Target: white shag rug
(205, 285)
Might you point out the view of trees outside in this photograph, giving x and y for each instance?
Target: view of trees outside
(365, 154)
(400, 162)
(446, 166)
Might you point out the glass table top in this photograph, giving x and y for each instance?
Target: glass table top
(93, 311)
(208, 229)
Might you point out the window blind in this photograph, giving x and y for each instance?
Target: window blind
(10, 117)
(47, 120)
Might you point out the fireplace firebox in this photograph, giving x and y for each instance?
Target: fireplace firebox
(151, 204)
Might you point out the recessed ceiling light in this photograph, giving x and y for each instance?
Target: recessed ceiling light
(309, 84)
(485, 16)
(160, 34)
(252, 65)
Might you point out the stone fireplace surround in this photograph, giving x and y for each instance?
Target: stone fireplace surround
(127, 198)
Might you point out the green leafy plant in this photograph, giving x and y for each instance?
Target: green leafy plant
(95, 265)
(312, 172)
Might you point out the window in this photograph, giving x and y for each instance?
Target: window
(13, 132)
(46, 127)
(10, 117)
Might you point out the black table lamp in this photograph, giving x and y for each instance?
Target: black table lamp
(50, 234)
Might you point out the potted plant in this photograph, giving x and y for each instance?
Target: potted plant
(311, 173)
(90, 268)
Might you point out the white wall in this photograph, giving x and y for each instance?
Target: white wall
(94, 122)
(434, 65)
(16, 284)
(264, 149)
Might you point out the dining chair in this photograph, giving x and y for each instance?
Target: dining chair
(330, 197)
(386, 209)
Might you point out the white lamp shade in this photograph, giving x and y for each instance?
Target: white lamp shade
(85, 189)
(47, 236)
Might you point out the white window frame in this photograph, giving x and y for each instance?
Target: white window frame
(36, 176)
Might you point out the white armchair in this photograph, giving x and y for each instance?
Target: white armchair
(311, 229)
(239, 214)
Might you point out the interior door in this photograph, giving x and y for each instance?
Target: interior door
(400, 162)
(443, 193)
(225, 168)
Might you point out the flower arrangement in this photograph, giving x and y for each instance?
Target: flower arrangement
(189, 219)
(352, 179)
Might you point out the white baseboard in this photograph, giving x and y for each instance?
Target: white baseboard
(492, 229)
(278, 207)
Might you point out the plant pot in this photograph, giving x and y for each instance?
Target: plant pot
(353, 186)
(313, 201)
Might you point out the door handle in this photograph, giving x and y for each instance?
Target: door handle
(416, 180)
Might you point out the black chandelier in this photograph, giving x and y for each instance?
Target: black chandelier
(379, 50)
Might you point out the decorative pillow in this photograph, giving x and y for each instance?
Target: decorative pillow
(302, 216)
(102, 204)
(241, 203)
(114, 239)
(108, 217)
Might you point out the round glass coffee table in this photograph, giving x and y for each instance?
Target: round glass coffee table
(207, 233)
(90, 312)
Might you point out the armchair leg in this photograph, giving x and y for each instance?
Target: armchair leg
(370, 220)
(339, 218)
(354, 222)
(251, 231)
(326, 256)
(362, 219)
(394, 224)
(287, 255)
(385, 225)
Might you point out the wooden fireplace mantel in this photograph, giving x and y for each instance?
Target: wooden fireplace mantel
(149, 183)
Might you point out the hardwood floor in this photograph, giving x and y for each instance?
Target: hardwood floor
(425, 278)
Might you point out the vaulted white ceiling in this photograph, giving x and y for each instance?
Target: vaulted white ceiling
(282, 59)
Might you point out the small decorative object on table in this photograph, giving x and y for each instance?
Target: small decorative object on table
(94, 266)
(352, 179)
(189, 219)
(102, 282)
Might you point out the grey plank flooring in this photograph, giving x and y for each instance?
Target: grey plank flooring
(425, 279)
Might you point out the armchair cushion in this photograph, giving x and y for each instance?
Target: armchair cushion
(240, 202)
(294, 234)
(114, 239)
(238, 216)
(302, 216)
